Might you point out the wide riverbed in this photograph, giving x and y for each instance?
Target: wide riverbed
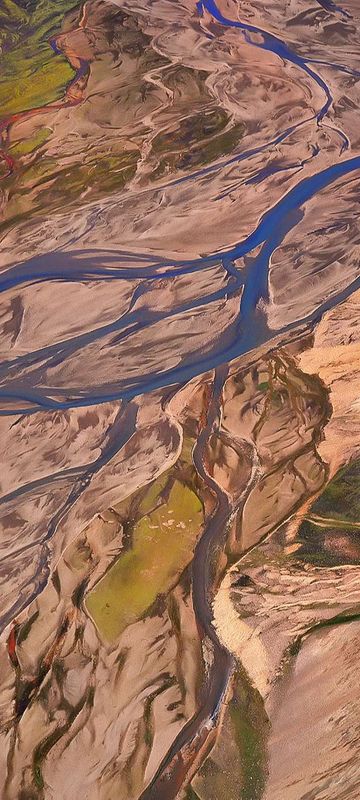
(179, 399)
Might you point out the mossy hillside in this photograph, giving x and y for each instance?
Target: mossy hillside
(328, 546)
(30, 145)
(153, 494)
(341, 497)
(250, 732)
(236, 769)
(197, 140)
(31, 73)
(43, 183)
(330, 534)
(162, 545)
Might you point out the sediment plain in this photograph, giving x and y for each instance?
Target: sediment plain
(179, 400)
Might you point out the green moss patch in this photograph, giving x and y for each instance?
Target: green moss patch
(341, 497)
(236, 769)
(162, 546)
(31, 144)
(330, 533)
(31, 74)
(250, 732)
(197, 140)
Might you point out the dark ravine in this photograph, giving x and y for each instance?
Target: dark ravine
(174, 769)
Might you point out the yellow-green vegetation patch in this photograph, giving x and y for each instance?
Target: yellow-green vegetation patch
(162, 546)
(35, 91)
(55, 184)
(196, 140)
(98, 176)
(38, 172)
(31, 73)
(187, 449)
(26, 146)
(153, 494)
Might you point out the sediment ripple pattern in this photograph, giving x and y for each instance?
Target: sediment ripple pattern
(179, 191)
